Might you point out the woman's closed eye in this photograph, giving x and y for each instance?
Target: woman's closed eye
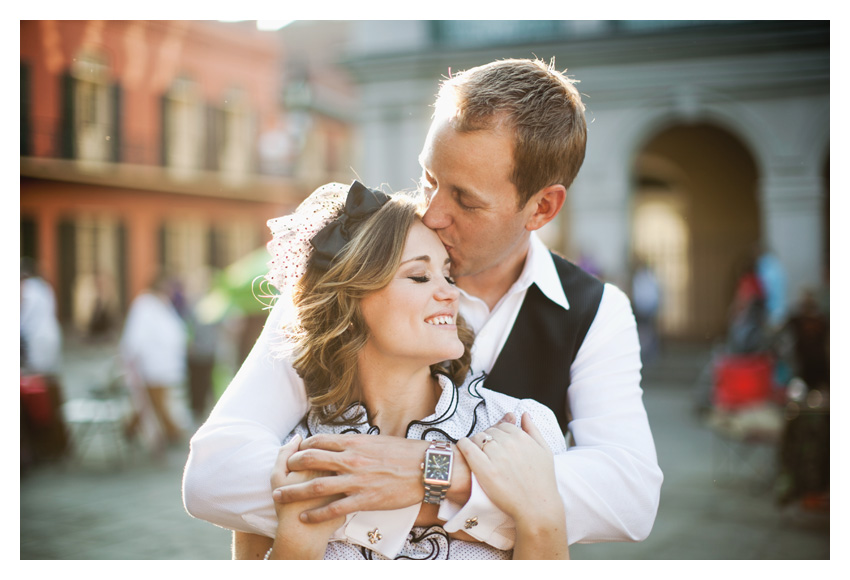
(426, 278)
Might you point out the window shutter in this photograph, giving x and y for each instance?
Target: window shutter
(213, 138)
(117, 116)
(163, 129)
(123, 266)
(67, 253)
(67, 129)
(26, 128)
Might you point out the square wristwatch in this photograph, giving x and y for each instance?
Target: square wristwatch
(437, 471)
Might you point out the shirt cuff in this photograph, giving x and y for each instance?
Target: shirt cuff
(383, 531)
(482, 520)
(265, 526)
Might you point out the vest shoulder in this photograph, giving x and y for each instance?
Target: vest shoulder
(569, 271)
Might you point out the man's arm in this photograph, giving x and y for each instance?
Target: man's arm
(374, 472)
(610, 480)
(226, 480)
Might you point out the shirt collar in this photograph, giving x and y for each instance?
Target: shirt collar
(445, 420)
(540, 269)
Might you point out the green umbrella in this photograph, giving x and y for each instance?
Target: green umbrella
(238, 290)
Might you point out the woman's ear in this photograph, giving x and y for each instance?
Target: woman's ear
(544, 206)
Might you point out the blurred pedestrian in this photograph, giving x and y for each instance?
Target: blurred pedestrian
(809, 326)
(747, 313)
(774, 283)
(153, 350)
(646, 301)
(804, 455)
(41, 335)
(43, 431)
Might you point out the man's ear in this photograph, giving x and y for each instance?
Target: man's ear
(544, 206)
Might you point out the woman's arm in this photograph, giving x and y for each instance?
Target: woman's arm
(250, 546)
(501, 458)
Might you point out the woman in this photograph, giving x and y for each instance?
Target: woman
(381, 349)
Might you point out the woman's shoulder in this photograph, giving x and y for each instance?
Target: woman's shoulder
(498, 404)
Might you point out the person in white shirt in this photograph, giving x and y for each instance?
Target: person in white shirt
(41, 335)
(153, 353)
(377, 338)
(505, 144)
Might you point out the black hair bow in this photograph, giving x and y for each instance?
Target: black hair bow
(360, 203)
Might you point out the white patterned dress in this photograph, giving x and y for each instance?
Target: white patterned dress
(461, 412)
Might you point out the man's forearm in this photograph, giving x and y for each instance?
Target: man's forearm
(226, 481)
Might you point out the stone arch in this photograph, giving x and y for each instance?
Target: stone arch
(695, 219)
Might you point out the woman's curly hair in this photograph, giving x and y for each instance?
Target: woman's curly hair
(331, 330)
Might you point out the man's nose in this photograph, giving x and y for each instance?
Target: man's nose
(437, 215)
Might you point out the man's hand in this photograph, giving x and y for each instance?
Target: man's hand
(373, 472)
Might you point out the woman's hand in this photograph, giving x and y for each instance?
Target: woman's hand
(516, 470)
(296, 539)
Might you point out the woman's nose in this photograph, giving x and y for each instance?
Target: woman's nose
(447, 292)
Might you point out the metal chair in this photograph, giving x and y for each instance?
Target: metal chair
(99, 420)
(746, 422)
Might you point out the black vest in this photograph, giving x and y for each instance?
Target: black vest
(536, 359)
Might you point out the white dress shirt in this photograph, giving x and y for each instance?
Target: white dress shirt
(609, 479)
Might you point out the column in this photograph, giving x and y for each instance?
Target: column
(792, 198)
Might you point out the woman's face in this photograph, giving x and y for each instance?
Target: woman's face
(413, 318)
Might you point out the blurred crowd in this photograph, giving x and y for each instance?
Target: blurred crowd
(770, 378)
(171, 357)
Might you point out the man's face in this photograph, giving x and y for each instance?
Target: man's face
(473, 206)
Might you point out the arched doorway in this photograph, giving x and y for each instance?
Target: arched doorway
(695, 221)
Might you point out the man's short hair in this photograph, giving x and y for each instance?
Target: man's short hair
(540, 104)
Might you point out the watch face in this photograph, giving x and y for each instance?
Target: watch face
(437, 466)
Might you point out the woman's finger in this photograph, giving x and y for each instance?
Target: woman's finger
(529, 427)
(475, 457)
(286, 451)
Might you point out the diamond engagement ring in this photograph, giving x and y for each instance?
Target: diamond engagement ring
(487, 439)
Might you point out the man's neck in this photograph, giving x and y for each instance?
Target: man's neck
(492, 284)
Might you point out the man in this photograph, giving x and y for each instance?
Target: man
(506, 142)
